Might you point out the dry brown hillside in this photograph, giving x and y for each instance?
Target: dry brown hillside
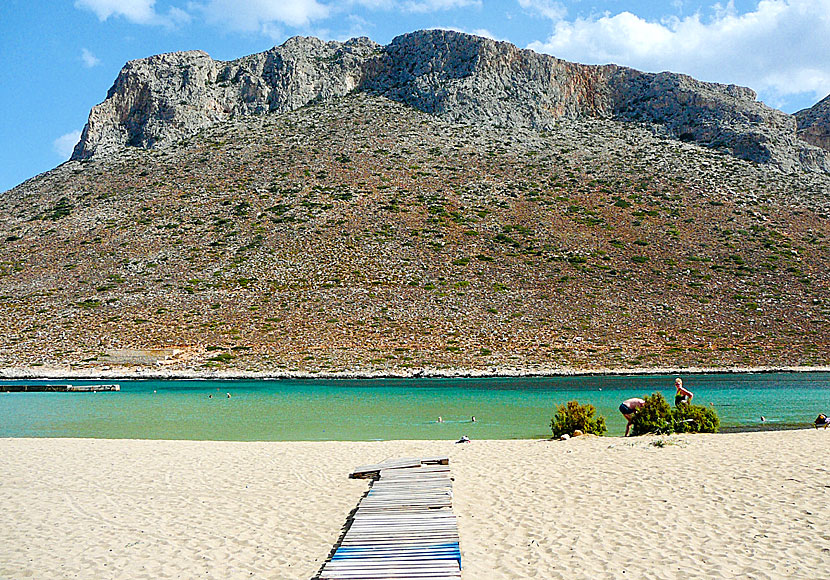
(361, 234)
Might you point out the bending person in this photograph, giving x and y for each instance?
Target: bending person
(628, 408)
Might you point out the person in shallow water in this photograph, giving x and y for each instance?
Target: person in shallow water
(682, 396)
(628, 408)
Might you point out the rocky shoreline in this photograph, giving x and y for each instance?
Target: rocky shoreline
(94, 373)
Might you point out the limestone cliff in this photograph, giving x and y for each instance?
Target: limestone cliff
(458, 77)
(162, 99)
(814, 124)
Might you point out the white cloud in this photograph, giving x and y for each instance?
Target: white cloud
(65, 144)
(417, 6)
(780, 48)
(89, 59)
(263, 16)
(423, 6)
(138, 11)
(545, 8)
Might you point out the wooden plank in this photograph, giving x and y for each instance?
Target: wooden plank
(380, 562)
(372, 470)
(369, 564)
(402, 540)
(391, 533)
(403, 551)
(402, 554)
(423, 541)
(400, 566)
(389, 574)
(381, 575)
(410, 541)
(415, 526)
(440, 459)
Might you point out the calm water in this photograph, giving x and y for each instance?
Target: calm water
(505, 408)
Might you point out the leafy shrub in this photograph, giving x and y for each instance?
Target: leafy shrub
(656, 416)
(695, 419)
(573, 416)
(653, 417)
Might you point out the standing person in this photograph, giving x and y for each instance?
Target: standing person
(683, 396)
(628, 408)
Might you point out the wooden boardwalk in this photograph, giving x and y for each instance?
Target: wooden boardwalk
(404, 528)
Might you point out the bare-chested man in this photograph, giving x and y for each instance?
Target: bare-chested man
(628, 408)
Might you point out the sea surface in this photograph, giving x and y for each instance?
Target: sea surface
(377, 409)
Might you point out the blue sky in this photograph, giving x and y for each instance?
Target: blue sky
(60, 57)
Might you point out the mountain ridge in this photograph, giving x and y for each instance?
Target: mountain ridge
(161, 99)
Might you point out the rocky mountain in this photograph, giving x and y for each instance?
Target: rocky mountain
(360, 234)
(814, 124)
(160, 100)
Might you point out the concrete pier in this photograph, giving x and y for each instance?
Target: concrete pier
(43, 388)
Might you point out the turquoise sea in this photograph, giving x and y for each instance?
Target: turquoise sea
(368, 409)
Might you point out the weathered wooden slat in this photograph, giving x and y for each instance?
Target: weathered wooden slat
(434, 536)
(369, 564)
(421, 542)
(381, 575)
(389, 574)
(425, 540)
(378, 564)
(399, 554)
(401, 551)
(407, 524)
(414, 526)
(435, 514)
(343, 551)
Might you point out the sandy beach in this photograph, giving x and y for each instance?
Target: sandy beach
(747, 505)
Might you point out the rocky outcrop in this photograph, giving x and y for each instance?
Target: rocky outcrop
(458, 77)
(814, 124)
(162, 99)
(477, 80)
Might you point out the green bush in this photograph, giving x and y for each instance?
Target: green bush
(573, 416)
(656, 416)
(695, 419)
(653, 417)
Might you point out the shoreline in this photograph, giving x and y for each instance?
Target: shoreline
(150, 373)
(724, 431)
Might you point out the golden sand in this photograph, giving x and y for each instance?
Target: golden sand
(750, 505)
